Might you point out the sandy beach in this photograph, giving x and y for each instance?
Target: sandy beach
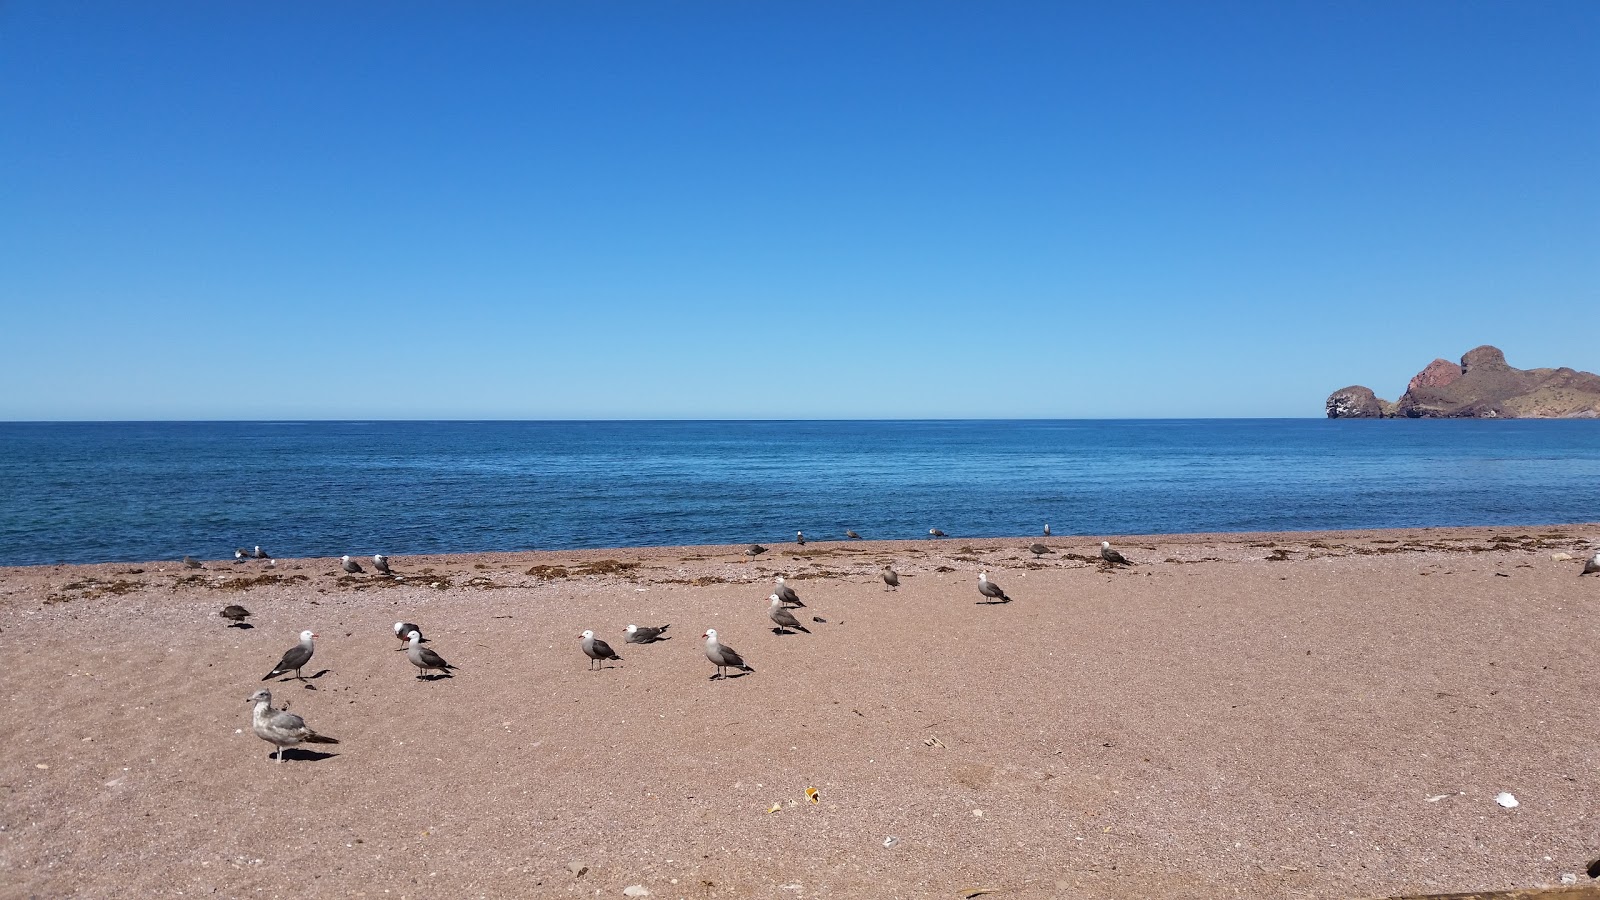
(1255, 715)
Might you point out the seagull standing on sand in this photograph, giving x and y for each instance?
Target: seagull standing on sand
(800, 538)
(350, 565)
(597, 650)
(991, 590)
(1112, 556)
(787, 594)
(891, 578)
(1592, 566)
(381, 563)
(403, 630)
(191, 562)
(755, 550)
(240, 554)
(935, 532)
(235, 614)
(645, 634)
(1038, 550)
(425, 659)
(260, 553)
(722, 656)
(781, 616)
(281, 727)
(294, 657)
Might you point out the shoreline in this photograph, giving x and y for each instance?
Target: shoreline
(1323, 714)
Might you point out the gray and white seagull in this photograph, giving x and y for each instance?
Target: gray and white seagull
(991, 590)
(891, 578)
(1593, 565)
(644, 634)
(723, 656)
(597, 650)
(781, 616)
(279, 727)
(787, 594)
(425, 659)
(350, 565)
(381, 563)
(294, 658)
(1111, 556)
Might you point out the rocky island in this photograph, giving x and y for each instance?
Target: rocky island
(1482, 386)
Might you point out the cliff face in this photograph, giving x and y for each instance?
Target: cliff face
(1483, 386)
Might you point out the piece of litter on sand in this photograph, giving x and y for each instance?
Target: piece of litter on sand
(774, 808)
(891, 842)
(1507, 799)
(1436, 798)
(969, 893)
(811, 794)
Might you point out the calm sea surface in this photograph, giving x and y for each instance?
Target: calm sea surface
(87, 492)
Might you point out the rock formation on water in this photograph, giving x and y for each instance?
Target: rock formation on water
(1483, 386)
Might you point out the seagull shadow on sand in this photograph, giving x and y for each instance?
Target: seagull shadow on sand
(245, 625)
(785, 632)
(434, 676)
(306, 678)
(991, 602)
(300, 754)
(723, 677)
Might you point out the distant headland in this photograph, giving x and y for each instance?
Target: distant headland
(1483, 386)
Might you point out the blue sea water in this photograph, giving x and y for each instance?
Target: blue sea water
(89, 492)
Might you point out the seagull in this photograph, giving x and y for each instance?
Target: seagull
(1112, 556)
(722, 656)
(782, 617)
(935, 532)
(260, 553)
(646, 634)
(891, 578)
(852, 535)
(755, 550)
(1047, 529)
(350, 565)
(403, 630)
(597, 650)
(191, 562)
(787, 594)
(1592, 566)
(425, 659)
(240, 554)
(235, 614)
(1038, 550)
(991, 590)
(281, 727)
(800, 538)
(294, 657)
(381, 563)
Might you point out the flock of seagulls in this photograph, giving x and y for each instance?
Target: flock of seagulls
(283, 729)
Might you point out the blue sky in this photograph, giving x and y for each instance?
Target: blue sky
(785, 210)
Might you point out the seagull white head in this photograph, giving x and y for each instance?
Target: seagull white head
(307, 635)
(774, 600)
(780, 579)
(1105, 545)
(631, 628)
(398, 626)
(586, 635)
(983, 576)
(344, 558)
(261, 696)
(414, 636)
(710, 635)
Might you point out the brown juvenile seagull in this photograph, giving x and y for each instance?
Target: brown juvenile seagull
(991, 590)
(755, 550)
(722, 656)
(597, 650)
(281, 727)
(235, 614)
(191, 562)
(425, 659)
(294, 657)
(852, 535)
(1038, 550)
(1112, 556)
(782, 617)
(891, 578)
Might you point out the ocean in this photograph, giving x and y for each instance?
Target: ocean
(136, 491)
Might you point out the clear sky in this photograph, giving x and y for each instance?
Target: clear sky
(785, 209)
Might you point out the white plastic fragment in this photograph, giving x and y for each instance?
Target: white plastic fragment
(1506, 799)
